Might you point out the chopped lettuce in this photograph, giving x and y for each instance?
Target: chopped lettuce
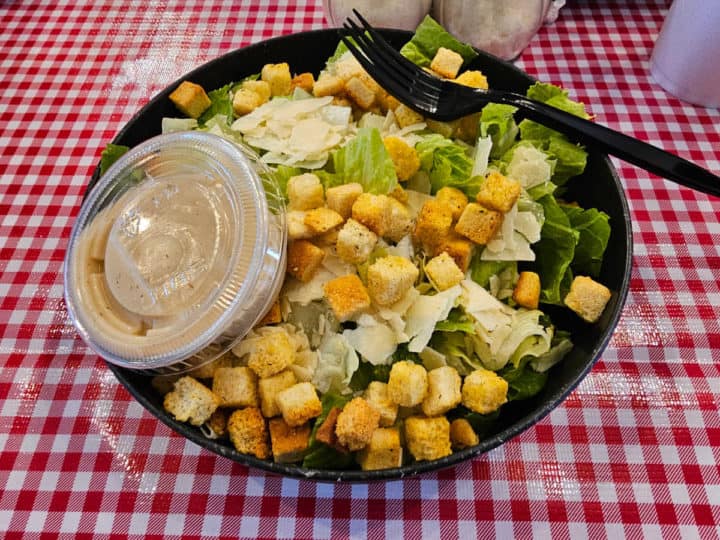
(561, 345)
(429, 37)
(283, 174)
(319, 455)
(556, 97)
(220, 103)
(497, 121)
(110, 154)
(448, 164)
(594, 229)
(170, 125)
(367, 373)
(523, 381)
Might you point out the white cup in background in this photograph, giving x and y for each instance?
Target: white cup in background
(686, 57)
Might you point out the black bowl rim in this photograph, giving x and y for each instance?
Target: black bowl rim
(414, 468)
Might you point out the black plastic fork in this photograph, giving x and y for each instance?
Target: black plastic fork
(444, 100)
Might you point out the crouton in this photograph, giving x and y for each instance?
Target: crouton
(248, 432)
(399, 194)
(305, 81)
(288, 443)
(484, 391)
(443, 272)
(355, 242)
(341, 101)
(498, 192)
(303, 259)
(527, 290)
(356, 423)
(261, 88)
(587, 298)
(190, 401)
(405, 116)
(446, 63)
(270, 387)
(297, 230)
(190, 99)
(389, 278)
(468, 128)
(404, 157)
(321, 220)
(478, 223)
(458, 247)
(341, 198)
(462, 435)
(272, 353)
(428, 438)
(387, 101)
(207, 371)
(360, 93)
(443, 391)
(326, 432)
(305, 192)
(376, 394)
(235, 387)
(299, 403)
(472, 78)
(373, 211)
(245, 101)
(272, 316)
(327, 239)
(328, 85)
(407, 384)
(278, 77)
(347, 296)
(433, 223)
(384, 450)
(455, 199)
(401, 224)
(216, 426)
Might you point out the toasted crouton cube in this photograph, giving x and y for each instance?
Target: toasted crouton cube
(299, 403)
(236, 387)
(326, 432)
(478, 223)
(207, 371)
(348, 67)
(272, 353)
(278, 77)
(288, 443)
(327, 239)
(484, 391)
(472, 78)
(384, 450)
(443, 391)
(321, 220)
(376, 395)
(306, 81)
(404, 157)
(303, 259)
(373, 211)
(399, 194)
(401, 224)
(433, 223)
(443, 272)
(270, 387)
(407, 384)
(389, 278)
(387, 101)
(458, 247)
(261, 88)
(355, 242)
(446, 63)
(428, 438)
(455, 199)
(527, 290)
(191, 401)
(245, 101)
(347, 296)
(587, 298)
(305, 192)
(297, 230)
(216, 425)
(248, 432)
(190, 99)
(405, 116)
(462, 435)
(356, 423)
(273, 315)
(498, 192)
(328, 85)
(360, 93)
(341, 198)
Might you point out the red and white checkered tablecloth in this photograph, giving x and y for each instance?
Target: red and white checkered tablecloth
(634, 451)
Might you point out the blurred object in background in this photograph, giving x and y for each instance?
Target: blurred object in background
(405, 14)
(500, 27)
(686, 54)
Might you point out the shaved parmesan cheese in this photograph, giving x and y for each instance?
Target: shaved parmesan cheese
(425, 313)
(375, 343)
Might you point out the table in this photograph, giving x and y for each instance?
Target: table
(634, 451)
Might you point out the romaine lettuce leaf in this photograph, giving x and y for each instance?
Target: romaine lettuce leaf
(320, 455)
(556, 97)
(523, 381)
(497, 121)
(428, 38)
(594, 229)
(447, 164)
(481, 271)
(561, 345)
(110, 154)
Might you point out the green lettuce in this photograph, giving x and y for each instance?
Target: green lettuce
(561, 345)
(497, 121)
(283, 174)
(594, 229)
(481, 271)
(110, 154)
(221, 101)
(320, 455)
(429, 37)
(523, 381)
(447, 164)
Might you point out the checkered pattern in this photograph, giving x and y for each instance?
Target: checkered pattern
(633, 452)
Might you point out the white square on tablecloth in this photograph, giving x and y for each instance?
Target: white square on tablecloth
(71, 522)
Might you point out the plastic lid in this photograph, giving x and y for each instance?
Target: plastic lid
(176, 254)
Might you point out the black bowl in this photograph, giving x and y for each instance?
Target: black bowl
(598, 187)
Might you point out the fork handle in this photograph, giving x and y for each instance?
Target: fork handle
(612, 142)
